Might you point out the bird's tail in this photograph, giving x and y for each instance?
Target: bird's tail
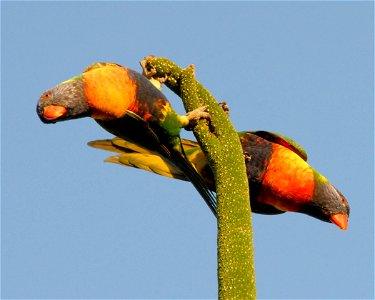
(191, 167)
(132, 155)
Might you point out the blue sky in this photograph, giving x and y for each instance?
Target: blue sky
(74, 227)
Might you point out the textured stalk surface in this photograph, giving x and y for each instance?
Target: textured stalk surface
(220, 142)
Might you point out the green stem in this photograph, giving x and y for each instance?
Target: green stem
(220, 142)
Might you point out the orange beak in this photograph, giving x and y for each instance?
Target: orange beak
(340, 220)
(52, 112)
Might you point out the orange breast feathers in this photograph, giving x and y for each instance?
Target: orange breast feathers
(110, 92)
(288, 182)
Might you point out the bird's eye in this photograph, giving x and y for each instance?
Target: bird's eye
(47, 95)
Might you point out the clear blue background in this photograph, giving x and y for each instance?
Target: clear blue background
(75, 227)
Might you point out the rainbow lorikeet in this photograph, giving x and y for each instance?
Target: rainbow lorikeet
(280, 179)
(128, 105)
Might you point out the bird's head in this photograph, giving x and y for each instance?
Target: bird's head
(327, 204)
(64, 102)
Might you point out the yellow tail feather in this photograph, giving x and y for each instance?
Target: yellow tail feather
(134, 156)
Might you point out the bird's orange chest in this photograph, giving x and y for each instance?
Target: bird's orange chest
(288, 182)
(109, 91)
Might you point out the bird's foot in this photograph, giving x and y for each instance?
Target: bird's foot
(225, 107)
(192, 117)
(150, 72)
(247, 157)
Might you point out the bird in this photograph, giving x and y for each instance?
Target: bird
(126, 104)
(279, 177)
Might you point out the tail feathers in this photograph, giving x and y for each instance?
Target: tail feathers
(131, 155)
(148, 162)
(129, 146)
(177, 166)
(106, 145)
(188, 144)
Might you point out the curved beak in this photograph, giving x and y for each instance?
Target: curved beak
(341, 220)
(50, 113)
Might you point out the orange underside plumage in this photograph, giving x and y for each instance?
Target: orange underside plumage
(110, 92)
(288, 182)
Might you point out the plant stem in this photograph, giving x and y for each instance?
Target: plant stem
(220, 143)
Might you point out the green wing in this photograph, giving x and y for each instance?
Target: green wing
(283, 141)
